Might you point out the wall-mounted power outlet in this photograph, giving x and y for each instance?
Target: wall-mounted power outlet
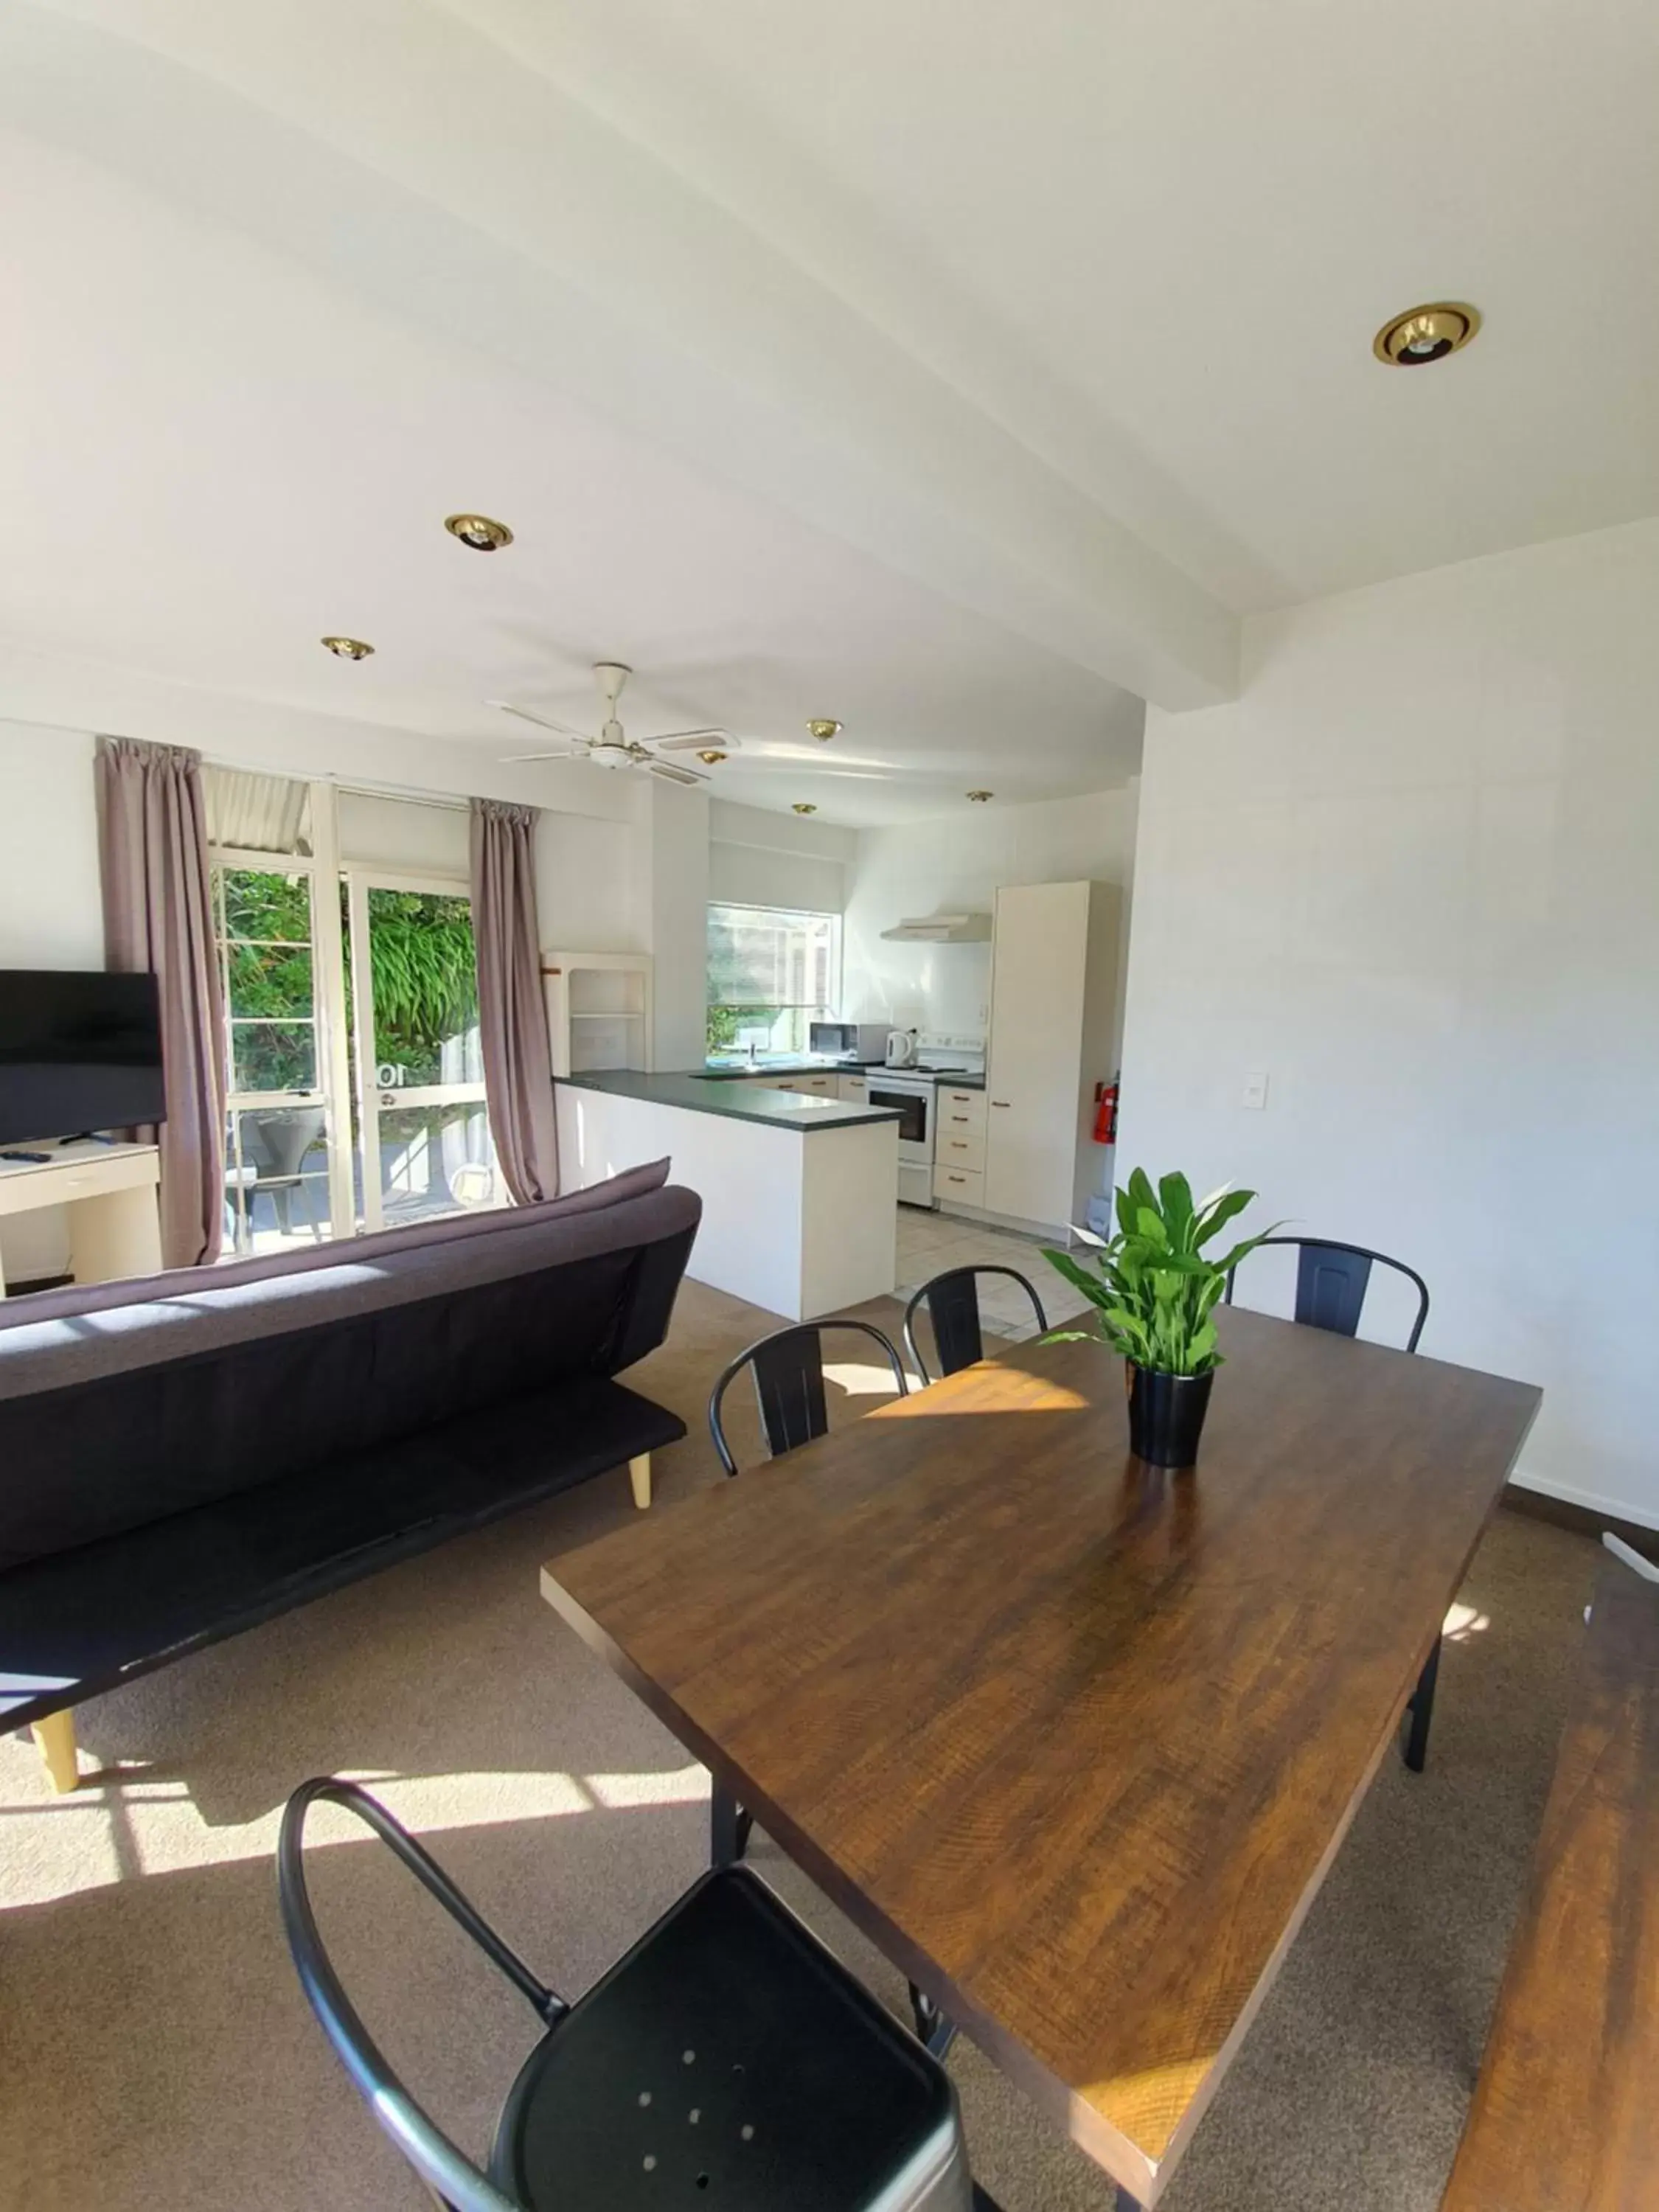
(1255, 1093)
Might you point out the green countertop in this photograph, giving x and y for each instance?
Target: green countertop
(737, 1102)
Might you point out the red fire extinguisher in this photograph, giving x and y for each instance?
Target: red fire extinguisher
(1106, 1114)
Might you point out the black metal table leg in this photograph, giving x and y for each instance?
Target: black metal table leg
(1421, 1709)
(729, 1827)
(933, 2028)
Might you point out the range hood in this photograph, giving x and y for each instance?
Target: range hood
(942, 929)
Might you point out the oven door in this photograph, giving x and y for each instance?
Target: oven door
(915, 1102)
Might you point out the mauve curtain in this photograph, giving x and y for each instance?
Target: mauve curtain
(518, 1065)
(158, 915)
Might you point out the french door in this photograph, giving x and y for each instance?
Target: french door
(422, 1132)
(356, 1096)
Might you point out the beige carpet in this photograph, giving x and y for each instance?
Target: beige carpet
(155, 2050)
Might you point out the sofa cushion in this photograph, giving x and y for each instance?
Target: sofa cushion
(199, 1387)
(632, 1182)
(77, 1622)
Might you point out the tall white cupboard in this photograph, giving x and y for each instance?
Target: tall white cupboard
(1053, 1019)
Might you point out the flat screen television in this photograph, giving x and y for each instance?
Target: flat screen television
(77, 1052)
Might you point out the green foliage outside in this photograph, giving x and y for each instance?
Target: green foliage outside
(725, 1022)
(426, 977)
(270, 980)
(426, 981)
(1153, 1292)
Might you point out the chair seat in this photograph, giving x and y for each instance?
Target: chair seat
(730, 2060)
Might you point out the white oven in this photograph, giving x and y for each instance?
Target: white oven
(912, 1096)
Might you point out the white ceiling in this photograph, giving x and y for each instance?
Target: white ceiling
(222, 458)
(960, 373)
(1192, 215)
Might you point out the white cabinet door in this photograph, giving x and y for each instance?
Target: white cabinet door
(855, 1090)
(1038, 973)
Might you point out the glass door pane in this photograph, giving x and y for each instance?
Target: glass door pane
(422, 1132)
(277, 1156)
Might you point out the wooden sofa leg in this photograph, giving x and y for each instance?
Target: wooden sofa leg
(638, 1473)
(55, 1737)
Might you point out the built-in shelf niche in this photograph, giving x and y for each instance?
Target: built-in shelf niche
(598, 1010)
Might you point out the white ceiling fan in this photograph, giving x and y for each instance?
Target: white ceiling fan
(613, 748)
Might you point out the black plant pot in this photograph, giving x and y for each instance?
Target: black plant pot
(1166, 1414)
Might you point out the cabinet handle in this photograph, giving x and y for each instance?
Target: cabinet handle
(950, 1178)
(999, 1101)
(958, 1117)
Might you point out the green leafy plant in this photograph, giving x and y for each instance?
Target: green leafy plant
(724, 1022)
(1153, 1290)
(425, 972)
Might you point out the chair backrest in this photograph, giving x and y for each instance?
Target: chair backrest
(952, 1302)
(1331, 1282)
(446, 2171)
(788, 1369)
(280, 1140)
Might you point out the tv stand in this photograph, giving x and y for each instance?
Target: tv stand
(109, 1191)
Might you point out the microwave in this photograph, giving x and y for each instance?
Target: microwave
(855, 1041)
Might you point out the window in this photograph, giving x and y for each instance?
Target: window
(771, 971)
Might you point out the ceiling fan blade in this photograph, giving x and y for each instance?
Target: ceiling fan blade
(509, 758)
(542, 721)
(691, 741)
(676, 775)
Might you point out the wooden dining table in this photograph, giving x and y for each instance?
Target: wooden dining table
(1073, 1739)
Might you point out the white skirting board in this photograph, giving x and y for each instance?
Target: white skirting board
(800, 1223)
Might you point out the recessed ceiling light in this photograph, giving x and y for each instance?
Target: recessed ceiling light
(979, 798)
(478, 531)
(348, 649)
(824, 730)
(1425, 334)
(802, 806)
(711, 759)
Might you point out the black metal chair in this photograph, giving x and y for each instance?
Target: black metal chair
(728, 2052)
(278, 1143)
(1331, 1283)
(952, 1302)
(788, 1367)
(789, 1385)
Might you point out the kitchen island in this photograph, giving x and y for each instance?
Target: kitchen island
(799, 1192)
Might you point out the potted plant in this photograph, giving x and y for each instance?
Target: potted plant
(1154, 1292)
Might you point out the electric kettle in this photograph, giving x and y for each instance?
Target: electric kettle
(901, 1048)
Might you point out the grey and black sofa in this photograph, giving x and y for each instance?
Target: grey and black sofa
(184, 1456)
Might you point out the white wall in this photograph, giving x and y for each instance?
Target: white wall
(1412, 875)
(590, 886)
(410, 836)
(756, 858)
(677, 861)
(51, 909)
(954, 864)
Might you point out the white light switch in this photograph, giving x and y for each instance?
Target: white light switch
(1255, 1093)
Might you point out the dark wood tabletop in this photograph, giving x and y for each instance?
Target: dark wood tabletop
(1566, 2116)
(1074, 1740)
